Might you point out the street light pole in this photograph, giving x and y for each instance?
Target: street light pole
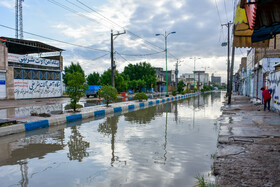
(165, 35)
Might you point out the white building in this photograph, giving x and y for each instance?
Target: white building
(24, 76)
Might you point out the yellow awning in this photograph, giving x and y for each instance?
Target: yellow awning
(242, 33)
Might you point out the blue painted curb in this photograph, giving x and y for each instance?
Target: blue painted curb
(131, 107)
(141, 105)
(99, 113)
(117, 109)
(36, 125)
(73, 118)
(151, 103)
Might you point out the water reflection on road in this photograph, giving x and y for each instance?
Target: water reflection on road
(164, 145)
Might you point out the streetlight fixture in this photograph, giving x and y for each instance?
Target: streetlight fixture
(165, 35)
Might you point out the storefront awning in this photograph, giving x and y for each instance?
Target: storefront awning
(267, 20)
(243, 33)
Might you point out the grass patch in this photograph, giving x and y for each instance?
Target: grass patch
(202, 182)
(6, 124)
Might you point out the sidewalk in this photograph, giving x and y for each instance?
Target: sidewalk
(248, 145)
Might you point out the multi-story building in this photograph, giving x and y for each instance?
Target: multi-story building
(201, 78)
(216, 80)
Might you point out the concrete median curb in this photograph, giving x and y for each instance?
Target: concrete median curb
(93, 112)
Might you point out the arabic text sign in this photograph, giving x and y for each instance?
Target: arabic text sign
(32, 60)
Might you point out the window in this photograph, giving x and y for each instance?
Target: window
(18, 74)
(36, 75)
(27, 74)
(57, 76)
(43, 75)
(50, 75)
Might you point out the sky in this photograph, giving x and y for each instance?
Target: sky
(87, 24)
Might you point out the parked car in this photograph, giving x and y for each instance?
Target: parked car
(92, 90)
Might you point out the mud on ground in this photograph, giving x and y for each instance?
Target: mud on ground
(248, 145)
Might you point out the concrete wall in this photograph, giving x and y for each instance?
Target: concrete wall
(10, 83)
(274, 84)
(3, 70)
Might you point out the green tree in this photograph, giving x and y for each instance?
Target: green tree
(75, 88)
(105, 78)
(93, 79)
(141, 71)
(181, 85)
(120, 83)
(141, 84)
(108, 93)
(71, 69)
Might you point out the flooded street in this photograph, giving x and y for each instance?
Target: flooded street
(164, 145)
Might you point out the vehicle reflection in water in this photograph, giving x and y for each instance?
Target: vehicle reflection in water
(164, 145)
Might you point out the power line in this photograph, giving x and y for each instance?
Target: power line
(96, 58)
(100, 14)
(75, 12)
(226, 9)
(108, 20)
(123, 57)
(129, 32)
(218, 11)
(77, 45)
(149, 54)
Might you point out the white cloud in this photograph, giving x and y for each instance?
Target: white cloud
(8, 4)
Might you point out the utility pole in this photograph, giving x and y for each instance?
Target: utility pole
(113, 65)
(176, 74)
(231, 74)
(228, 64)
(198, 80)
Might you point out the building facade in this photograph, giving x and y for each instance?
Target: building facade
(25, 76)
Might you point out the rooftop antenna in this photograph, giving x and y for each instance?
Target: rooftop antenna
(19, 19)
(16, 7)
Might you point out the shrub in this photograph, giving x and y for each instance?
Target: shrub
(140, 96)
(108, 93)
(174, 92)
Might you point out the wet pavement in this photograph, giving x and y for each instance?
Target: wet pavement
(164, 145)
(248, 145)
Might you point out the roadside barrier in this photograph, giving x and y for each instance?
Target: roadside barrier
(98, 114)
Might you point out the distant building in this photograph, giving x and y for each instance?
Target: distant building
(201, 78)
(161, 80)
(216, 80)
(25, 76)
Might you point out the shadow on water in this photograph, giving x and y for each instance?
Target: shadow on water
(164, 145)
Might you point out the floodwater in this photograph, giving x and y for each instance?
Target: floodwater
(164, 145)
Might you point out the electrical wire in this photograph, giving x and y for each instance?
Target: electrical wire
(218, 11)
(225, 10)
(37, 35)
(108, 20)
(149, 54)
(122, 57)
(96, 58)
